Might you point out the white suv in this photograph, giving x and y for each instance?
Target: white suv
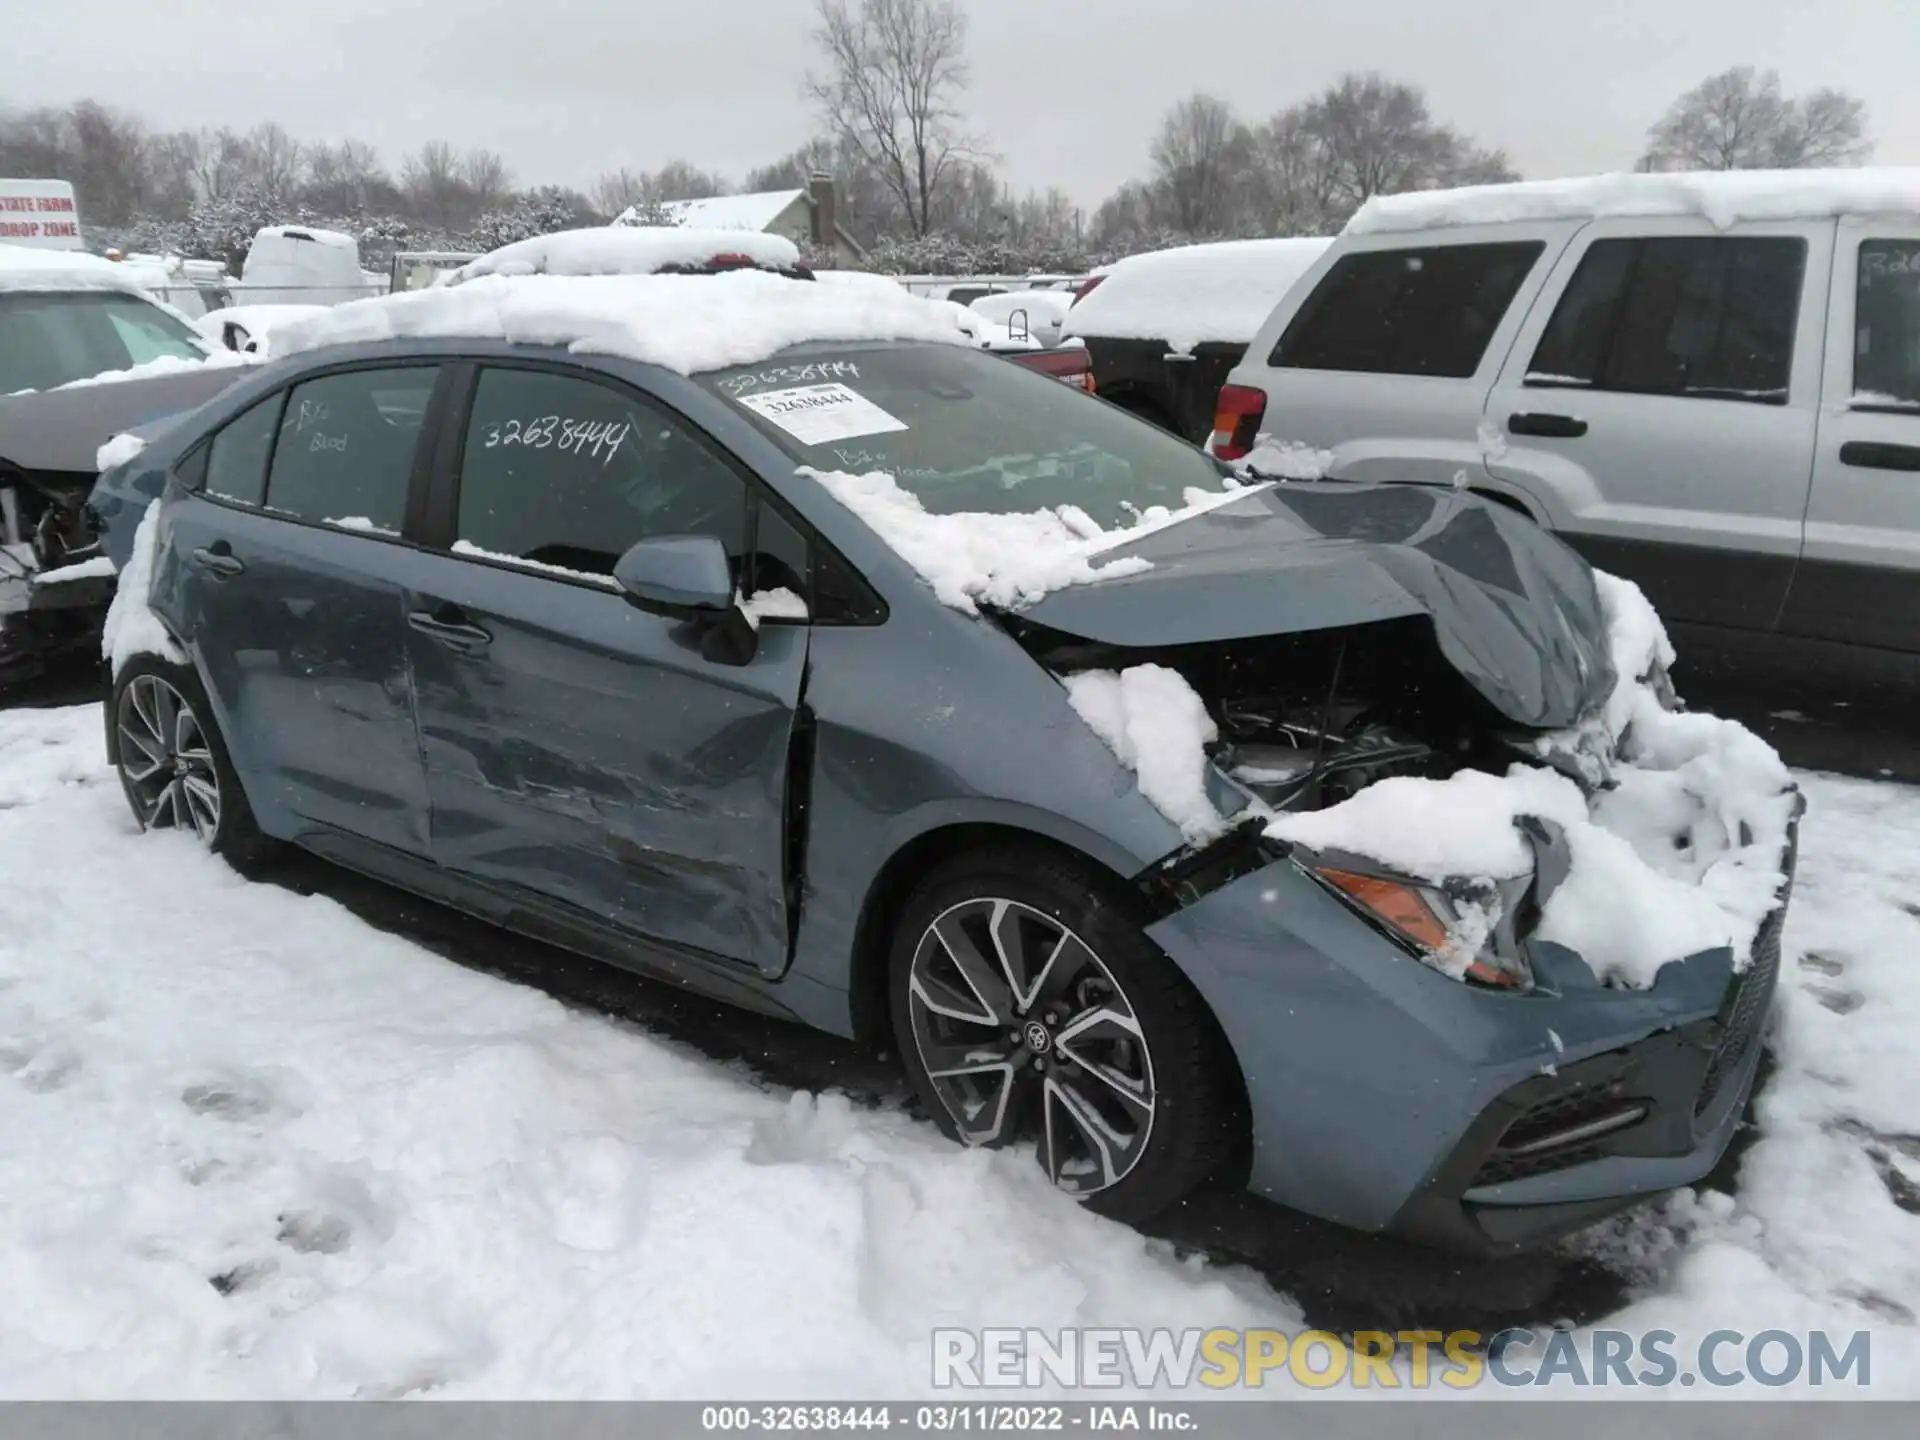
(1707, 383)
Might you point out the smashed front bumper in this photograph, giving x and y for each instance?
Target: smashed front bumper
(1387, 1096)
(39, 622)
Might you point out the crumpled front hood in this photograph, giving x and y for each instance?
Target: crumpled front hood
(60, 430)
(1514, 610)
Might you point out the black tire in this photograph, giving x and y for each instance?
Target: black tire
(1195, 1124)
(158, 802)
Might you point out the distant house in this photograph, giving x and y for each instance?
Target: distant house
(806, 217)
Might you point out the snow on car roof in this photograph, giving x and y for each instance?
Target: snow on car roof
(686, 323)
(1195, 293)
(1723, 197)
(626, 250)
(753, 211)
(24, 269)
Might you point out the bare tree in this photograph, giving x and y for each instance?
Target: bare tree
(272, 159)
(487, 179)
(343, 179)
(614, 191)
(895, 72)
(1741, 119)
(431, 179)
(1375, 136)
(1199, 157)
(866, 206)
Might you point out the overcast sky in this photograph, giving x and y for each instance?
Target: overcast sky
(1066, 92)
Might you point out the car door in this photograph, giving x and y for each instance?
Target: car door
(283, 572)
(1659, 408)
(1859, 577)
(576, 747)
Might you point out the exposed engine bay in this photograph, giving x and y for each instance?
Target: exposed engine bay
(43, 527)
(1308, 720)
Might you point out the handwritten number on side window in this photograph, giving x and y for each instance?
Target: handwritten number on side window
(597, 439)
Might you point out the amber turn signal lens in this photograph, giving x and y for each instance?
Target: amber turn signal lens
(1401, 906)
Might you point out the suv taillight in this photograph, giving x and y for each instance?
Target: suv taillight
(1236, 421)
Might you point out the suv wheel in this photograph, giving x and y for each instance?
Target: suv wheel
(1027, 1006)
(173, 764)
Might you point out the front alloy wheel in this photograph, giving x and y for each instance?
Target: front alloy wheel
(1024, 1033)
(166, 762)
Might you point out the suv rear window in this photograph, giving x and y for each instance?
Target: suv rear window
(1429, 311)
(52, 338)
(1697, 316)
(1886, 326)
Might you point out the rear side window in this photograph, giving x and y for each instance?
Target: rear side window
(237, 459)
(345, 451)
(1697, 316)
(564, 471)
(1429, 311)
(1886, 333)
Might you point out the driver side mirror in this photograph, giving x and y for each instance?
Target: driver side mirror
(684, 577)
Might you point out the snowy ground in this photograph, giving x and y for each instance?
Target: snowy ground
(250, 1145)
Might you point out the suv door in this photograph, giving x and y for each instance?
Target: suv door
(1859, 577)
(1659, 408)
(1388, 359)
(282, 572)
(576, 747)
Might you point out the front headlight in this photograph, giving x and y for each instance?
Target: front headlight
(1458, 931)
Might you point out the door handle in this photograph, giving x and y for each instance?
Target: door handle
(456, 635)
(219, 559)
(1878, 455)
(1556, 427)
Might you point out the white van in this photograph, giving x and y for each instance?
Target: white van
(1708, 383)
(299, 265)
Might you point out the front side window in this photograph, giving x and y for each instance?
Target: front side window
(1697, 316)
(52, 338)
(345, 449)
(1886, 326)
(237, 459)
(1428, 311)
(566, 472)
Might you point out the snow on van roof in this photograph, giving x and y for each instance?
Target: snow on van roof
(1722, 197)
(1195, 293)
(331, 238)
(686, 323)
(626, 250)
(22, 268)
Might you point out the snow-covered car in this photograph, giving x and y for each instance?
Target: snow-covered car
(1164, 329)
(68, 320)
(248, 328)
(769, 638)
(1038, 313)
(302, 265)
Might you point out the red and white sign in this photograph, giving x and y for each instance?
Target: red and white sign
(40, 213)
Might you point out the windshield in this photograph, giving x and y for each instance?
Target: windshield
(52, 338)
(966, 432)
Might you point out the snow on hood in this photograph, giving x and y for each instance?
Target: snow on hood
(685, 323)
(165, 365)
(1682, 854)
(1724, 198)
(1194, 293)
(22, 268)
(626, 250)
(1003, 560)
(118, 451)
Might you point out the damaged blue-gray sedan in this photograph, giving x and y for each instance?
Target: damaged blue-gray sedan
(758, 633)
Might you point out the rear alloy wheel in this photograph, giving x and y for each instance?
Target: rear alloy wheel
(1022, 1030)
(1030, 1006)
(174, 765)
(166, 764)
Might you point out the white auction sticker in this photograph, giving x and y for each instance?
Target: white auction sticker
(820, 414)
